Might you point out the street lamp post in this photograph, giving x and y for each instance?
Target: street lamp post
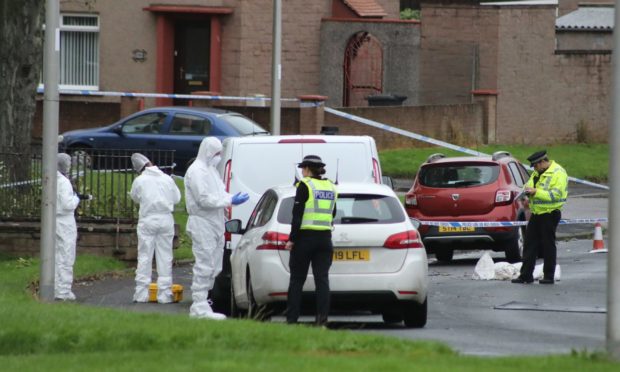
(50, 149)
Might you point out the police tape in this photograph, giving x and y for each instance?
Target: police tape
(504, 223)
(434, 141)
(96, 93)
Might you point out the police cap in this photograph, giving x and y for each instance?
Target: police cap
(537, 157)
(312, 161)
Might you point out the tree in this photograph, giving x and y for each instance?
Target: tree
(21, 56)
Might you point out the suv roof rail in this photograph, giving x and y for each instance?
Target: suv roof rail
(500, 154)
(434, 157)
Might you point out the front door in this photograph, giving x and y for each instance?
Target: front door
(191, 56)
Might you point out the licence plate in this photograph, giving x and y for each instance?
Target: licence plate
(449, 229)
(351, 255)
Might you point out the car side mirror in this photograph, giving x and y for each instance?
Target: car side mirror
(118, 130)
(234, 227)
(387, 180)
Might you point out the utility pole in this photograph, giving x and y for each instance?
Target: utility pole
(50, 149)
(276, 68)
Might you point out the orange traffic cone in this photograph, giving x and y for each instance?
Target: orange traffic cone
(598, 245)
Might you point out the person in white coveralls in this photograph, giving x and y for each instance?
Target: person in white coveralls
(156, 193)
(206, 201)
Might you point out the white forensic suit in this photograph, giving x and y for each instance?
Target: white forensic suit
(66, 231)
(206, 200)
(156, 193)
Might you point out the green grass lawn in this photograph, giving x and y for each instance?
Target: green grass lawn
(71, 337)
(585, 161)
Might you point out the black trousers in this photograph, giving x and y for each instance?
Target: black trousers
(540, 236)
(312, 247)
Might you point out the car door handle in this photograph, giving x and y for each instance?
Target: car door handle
(151, 142)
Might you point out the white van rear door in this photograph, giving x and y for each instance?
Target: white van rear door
(256, 167)
(353, 160)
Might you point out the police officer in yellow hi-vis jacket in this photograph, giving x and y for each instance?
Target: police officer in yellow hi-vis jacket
(547, 191)
(310, 240)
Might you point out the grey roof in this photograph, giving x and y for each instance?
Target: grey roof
(522, 2)
(590, 18)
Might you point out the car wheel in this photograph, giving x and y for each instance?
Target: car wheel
(255, 311)
(235, 311)
(514, 247)
(444, 255)
(391, 316)
(414, 314)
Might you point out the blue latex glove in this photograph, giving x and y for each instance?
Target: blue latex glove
(240, 198)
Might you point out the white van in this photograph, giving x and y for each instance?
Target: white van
(254, 164)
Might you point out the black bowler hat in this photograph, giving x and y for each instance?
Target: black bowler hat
(537, 157)
(312, 161)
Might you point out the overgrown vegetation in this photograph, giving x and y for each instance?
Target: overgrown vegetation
(409, 13)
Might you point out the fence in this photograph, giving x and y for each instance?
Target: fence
(106, 174)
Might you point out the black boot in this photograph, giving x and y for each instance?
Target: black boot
(546, 281)
(520, 280)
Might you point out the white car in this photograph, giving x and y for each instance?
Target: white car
(379, 262)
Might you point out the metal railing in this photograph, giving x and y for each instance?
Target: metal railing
(106, 174)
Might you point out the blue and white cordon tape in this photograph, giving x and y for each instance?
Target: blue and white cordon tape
(505, 223)
(433, 141)
(79, 92)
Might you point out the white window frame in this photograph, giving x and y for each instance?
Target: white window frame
(76, 28)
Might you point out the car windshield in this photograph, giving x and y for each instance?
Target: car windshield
(458, 175)
(355, 209)
(243, 125)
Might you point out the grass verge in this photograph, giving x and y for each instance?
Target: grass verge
(68, 337)
(585, 161)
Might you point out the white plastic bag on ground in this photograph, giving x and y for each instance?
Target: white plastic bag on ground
(484, 269)
(505, 271)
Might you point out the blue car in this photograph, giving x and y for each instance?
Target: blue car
(163, 128)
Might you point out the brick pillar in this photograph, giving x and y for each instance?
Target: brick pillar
(488, 100)
(311, 113)
(129, 105)
(204, 102)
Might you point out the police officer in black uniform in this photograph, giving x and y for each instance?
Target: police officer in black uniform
(310, 238)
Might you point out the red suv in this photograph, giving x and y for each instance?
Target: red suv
(470, 188)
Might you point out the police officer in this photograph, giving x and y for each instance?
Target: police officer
(310, 238)
(547, 190)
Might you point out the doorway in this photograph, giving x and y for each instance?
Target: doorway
(192, 45)
(363, 69)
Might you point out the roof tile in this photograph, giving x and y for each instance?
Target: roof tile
(366, 8)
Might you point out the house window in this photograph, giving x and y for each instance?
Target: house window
(79, 51)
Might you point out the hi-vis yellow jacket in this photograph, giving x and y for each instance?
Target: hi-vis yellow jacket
(551, 189)
(319, 208)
